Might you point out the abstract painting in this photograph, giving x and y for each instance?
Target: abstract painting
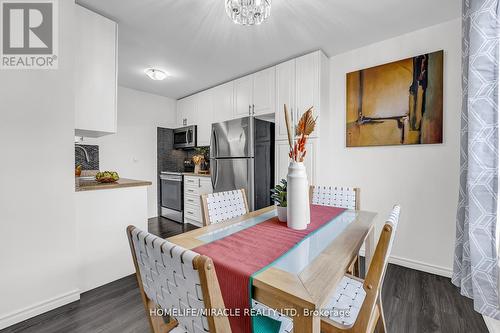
(399, 103)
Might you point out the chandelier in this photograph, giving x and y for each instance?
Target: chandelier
(248, 12)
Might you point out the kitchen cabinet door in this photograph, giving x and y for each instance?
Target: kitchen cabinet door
(203, 117)
(285, 94)
(264, 92)
(243, 96)
(222, 102)
(282, 160)
(186, 109)
(307, 81)
(96, 74)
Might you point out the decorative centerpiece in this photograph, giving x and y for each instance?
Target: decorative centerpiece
(200, 160)
(279, 197)
(298, 211)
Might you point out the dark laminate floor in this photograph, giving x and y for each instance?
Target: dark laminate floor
(414, 302)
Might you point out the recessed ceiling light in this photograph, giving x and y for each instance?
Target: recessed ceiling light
(155, 74)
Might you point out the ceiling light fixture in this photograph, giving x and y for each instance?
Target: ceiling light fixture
(155, 74)
(248, 12)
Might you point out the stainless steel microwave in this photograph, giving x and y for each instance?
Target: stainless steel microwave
(185, 137)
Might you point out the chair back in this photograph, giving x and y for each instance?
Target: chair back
(218, 207)
(378, 266)
(172, 278)
(334, 196)
(373, 282)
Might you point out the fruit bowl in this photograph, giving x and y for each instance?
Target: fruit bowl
(107, 177)
(106, 180)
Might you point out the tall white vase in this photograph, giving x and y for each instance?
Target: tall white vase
(298, 213)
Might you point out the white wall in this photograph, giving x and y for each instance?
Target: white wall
(422, 178)
(132, 151)
(37, 222)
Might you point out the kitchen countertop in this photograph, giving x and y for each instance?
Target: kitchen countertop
(196, 174)
(92, 185)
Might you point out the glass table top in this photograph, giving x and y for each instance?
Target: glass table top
(234, 228)
(302, 254)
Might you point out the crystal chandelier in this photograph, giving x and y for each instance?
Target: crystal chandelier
(248, 12)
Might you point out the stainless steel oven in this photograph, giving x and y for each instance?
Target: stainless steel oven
(185, 137)
(172, 195)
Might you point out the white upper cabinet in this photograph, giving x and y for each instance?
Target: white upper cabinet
(96, 74)
(264, 91)
(197, 110)
(255, 94)
(203, 117)
(307, 76)
(300, 84)
(223, 102)
(243, 96)
(186, 110)
(285, 94)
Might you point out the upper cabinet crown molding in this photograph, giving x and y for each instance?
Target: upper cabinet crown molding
(96, 74)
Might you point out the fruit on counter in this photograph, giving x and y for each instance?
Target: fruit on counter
(78, 171)
(107, 176)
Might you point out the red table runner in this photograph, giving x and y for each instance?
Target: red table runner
(238, 256)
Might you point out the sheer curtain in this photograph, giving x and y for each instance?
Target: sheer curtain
(475, 269)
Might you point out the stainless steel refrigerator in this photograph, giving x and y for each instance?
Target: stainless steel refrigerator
(242, 157)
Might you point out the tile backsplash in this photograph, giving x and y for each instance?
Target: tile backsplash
(93, 154)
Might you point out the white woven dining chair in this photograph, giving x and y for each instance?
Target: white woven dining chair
(222, 206)
(363, 298)
(173, 278)
(342, 197)
(335, 196)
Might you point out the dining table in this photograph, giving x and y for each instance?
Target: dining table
(302, 280)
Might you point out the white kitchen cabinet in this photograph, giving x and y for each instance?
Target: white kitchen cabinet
(186, 111)
(197, 110)
(307, 72)
(203, 117)
(255, 94)
(285, 94)
(194, 187)
(300, 84)
(264, 92)
(243, 96)
(223, 102)
(96, 74)
(282, 160)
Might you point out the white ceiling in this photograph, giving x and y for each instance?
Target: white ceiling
(200, 47)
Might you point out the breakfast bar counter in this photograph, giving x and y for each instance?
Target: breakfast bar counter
(92, 185)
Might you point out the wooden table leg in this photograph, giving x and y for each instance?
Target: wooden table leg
(369, 248)
(306, 324)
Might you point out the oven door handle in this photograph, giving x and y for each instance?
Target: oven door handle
(171, 179)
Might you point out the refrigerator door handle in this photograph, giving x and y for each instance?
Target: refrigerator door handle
(213, 175)
(213, 145)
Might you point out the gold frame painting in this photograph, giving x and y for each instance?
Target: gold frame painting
(399, 103)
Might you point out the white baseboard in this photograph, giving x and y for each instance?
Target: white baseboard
(492, 324)
(418, 265)
(39, 308)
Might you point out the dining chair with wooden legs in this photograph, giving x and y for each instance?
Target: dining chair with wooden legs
(222, 206)
(342, 197)
(172, 278)
(362, 298)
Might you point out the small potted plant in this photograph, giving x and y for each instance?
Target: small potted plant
(279, 197)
